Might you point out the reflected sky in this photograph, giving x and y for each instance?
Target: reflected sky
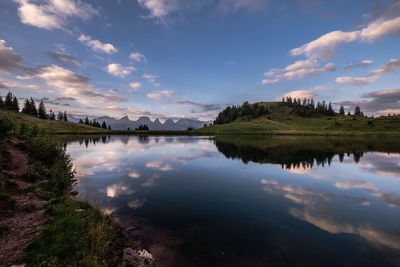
(233, 207)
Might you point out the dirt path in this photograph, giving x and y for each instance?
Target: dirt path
(23, 218)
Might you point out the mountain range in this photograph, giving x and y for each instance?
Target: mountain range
(125, 123)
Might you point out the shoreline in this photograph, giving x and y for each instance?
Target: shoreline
(41, 221)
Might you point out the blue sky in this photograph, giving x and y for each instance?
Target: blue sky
(185, 58)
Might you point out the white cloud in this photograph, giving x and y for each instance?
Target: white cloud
(381, 28)
(385, 24)
(299, 69)
(135, 86)
(159, 8)
(364, 63)
(161, 94)
(168, 93)
(63, 78)
(392, 65)
(325, 46)
(137, 56)
(118, 70)
(156, 97)
(150, 77)
(73, 84)
(9, 60)
(356, 80)
(97, 46)
(6, 85)
(53, 14)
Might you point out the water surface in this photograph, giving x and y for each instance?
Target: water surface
(249, 200)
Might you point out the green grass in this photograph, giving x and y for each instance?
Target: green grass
(52, 127)
(76, 235)
(282, 120)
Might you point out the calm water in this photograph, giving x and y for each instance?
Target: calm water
(249, 201)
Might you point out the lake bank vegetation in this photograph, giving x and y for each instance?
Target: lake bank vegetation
(41, 223)
(299, 117)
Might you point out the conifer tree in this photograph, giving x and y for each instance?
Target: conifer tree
(52, 116)
(109, 127)
(87, 121)
(15, 104)
(65, 117)
(357, 111)
(8, 101)
(1, 102)
(341, 110)
(33, 107)
(60, 116)
(27, 107)
(104, 125)
(80, 121)
(42, 114)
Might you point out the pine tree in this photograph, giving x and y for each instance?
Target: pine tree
(80, 121)
(109, 127)
(52, 116)
(1, 102)
(104, 125)
(8, 101)
(87, 121)
(15, 104)
(33, 107)
(341, 110)
(42, 114)
(65, 117)
(357, 111)
(60, 116)
(27, 107)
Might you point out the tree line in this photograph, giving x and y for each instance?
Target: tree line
(11, 103)
(245, 111)
(304, 108)
(95, 123)
(307, 108)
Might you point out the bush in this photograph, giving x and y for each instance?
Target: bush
(6, 127)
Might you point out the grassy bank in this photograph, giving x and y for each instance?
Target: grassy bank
(279, 121)
(282, 120)
(72, 233)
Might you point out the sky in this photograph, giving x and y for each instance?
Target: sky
(191, 58)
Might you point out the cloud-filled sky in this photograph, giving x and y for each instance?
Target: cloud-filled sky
(191, 58)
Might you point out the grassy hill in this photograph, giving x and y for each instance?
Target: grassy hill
(283, 120)
(55, 127)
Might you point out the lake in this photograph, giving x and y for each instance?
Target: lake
(249, 200)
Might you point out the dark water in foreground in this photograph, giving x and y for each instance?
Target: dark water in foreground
(249, 201)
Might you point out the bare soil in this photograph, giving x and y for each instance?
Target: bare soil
(25, 219)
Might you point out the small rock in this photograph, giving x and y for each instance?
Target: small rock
(79, 210)
(145, 255)
(18, 265)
